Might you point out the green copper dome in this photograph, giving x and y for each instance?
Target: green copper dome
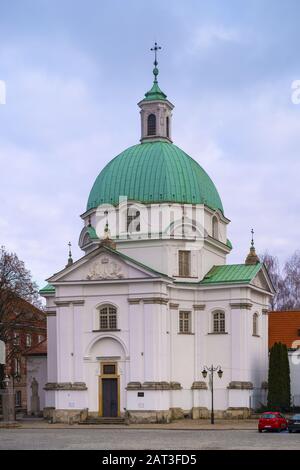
(154, 172)
(155, 93)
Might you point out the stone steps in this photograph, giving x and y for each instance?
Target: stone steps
(103, 420)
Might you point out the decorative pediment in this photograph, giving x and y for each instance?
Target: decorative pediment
(104, 263)
(105, 268)
(261, 281)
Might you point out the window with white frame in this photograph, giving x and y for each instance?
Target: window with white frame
(184, 263)
(108, 317)
(185, 322)
(255, 324)
(218, 322)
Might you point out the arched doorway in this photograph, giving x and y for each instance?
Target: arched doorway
(110, 355)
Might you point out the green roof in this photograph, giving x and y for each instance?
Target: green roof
(48, 289)
(231, 273)
(92, 233)
(154, 172)
(155, 93)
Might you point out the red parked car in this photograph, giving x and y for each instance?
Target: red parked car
(272, 421)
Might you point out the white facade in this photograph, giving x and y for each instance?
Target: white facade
(158, 368)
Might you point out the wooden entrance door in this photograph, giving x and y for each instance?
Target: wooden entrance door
(109, 389)
(110, 397)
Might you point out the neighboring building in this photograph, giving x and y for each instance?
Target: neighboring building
(29, 327)
(36, 363)
(132, 323)
(284, 327)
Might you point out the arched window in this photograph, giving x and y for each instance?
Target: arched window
(215, 228)
(219, 322)
(151, 128)
(168, 126)
(255, 324)
(107, 317)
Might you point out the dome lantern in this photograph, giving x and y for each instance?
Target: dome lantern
(156, 110)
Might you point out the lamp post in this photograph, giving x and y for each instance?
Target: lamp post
(211, 371)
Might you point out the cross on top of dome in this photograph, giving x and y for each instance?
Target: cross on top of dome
(155, 48)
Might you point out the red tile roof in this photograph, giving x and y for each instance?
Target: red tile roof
(39, 349)
(284, 327)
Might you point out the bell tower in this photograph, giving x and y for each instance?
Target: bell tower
(156, 110)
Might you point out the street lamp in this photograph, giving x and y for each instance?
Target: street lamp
(211, 370)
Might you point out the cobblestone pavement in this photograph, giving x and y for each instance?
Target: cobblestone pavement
(146, 439)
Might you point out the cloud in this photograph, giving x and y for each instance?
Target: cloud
(208, 36)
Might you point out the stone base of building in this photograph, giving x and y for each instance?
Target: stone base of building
(237, 413)
(230, 413)
(65, 416)
(146, 417)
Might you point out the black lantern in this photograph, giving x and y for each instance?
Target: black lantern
(220, 373)
(204, 373)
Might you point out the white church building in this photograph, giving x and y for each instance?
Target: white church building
(152, 301)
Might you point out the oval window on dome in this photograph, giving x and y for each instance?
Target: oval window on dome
(151, 128)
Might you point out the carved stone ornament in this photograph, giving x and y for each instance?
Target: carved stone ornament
(105, 268)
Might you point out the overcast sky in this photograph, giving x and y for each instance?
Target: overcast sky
(74, 71)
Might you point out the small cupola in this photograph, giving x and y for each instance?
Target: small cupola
(252, 257)
(156, 110)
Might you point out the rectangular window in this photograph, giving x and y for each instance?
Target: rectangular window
(184, 322)
(184, 262)
(109, 369)
(16, 340)
(18, 397)
(219, 322)
(17, 366)
(28, 340)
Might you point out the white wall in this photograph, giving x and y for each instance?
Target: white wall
(148, 346)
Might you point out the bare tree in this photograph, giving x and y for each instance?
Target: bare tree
(292, 282)
(272, 264)
(286, 283)
(16, 286)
